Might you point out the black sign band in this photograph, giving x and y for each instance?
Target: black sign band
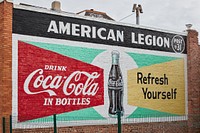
(77, 29)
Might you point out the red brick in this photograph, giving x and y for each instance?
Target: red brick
(193, 81)
(5, 62)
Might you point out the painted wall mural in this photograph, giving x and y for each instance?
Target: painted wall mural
(90, 76)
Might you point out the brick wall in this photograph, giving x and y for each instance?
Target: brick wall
(193, 82)
(167, 127)
(191, 126)
(5, 61)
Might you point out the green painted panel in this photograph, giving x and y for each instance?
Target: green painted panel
(80, 53)
(84, 114)
(147, 113)
(147, 59)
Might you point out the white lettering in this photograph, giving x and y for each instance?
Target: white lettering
(160, 41)
(64, 28)
(94, 30)
(27, 82)
(166, 42)
(133, 38)
(85, 31)
(111, 35)
(141, 38)
(148, 40)
(154, 40)
(53, 27)
(99, 33)
(120, 36)
(48, 101)
(87, 88)
(75, 30)
(55, 68)
(71, 84)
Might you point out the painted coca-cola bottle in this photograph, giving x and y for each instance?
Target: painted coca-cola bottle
(115, 87)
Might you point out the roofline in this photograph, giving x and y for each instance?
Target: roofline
(74, 15)
(96, 12)
(92, 10)
(11, 1)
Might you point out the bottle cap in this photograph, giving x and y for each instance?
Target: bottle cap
(115, 54)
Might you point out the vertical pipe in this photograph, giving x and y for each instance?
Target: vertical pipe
(4, 125)
(119, 121)
(137, 16)
(54, 122)
(10, 123)
(137, 20)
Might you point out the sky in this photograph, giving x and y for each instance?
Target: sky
(170, 15)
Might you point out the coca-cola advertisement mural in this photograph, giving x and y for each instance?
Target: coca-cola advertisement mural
(87, 71)
(55, 83)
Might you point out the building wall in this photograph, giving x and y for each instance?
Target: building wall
(5, 61)
(166, 127)
(191, 126)
(193, 82)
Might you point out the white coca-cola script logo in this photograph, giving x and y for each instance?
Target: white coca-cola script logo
(50, 83)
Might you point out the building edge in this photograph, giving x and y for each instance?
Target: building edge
(193, 65)
(6, 8)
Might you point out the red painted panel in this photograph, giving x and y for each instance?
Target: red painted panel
(50, 83)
